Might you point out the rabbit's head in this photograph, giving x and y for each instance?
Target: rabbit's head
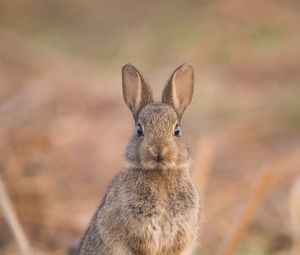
(157, 142)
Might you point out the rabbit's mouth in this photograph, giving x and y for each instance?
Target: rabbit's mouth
(157, 163)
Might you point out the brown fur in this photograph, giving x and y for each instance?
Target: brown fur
(151, 207)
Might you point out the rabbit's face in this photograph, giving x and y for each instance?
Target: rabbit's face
(157, 142)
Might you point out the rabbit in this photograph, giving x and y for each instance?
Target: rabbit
(151, 206)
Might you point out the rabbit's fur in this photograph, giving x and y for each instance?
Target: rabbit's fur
(151, 206)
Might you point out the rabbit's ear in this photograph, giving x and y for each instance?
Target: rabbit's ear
(179, 90)
(136, 91)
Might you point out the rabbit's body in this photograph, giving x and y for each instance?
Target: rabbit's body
(149, 213)
(151, 207)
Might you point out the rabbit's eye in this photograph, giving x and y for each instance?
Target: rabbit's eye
(177, 130)
(139, 129)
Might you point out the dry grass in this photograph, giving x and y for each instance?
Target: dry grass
(12, 220)
(294, 203)
(270, 177)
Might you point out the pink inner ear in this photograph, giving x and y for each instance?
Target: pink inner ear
(131, 87)
(183, 81)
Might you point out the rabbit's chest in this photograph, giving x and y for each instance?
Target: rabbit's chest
(156, 205)
(160, 216)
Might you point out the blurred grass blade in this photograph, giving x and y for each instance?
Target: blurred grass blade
(12, 220)
(270, 176)
(294, 203)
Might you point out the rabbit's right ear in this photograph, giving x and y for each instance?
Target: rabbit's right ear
(136, 91)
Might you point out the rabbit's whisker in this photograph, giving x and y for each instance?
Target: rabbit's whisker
(139, 177)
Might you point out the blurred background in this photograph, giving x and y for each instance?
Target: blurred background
(64, 126)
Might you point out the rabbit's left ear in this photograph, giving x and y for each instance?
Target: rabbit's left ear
(178, 92)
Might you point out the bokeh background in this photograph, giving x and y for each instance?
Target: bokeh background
(64, 126)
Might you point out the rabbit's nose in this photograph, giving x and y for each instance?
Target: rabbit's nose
(157, 153)
(159, 158)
